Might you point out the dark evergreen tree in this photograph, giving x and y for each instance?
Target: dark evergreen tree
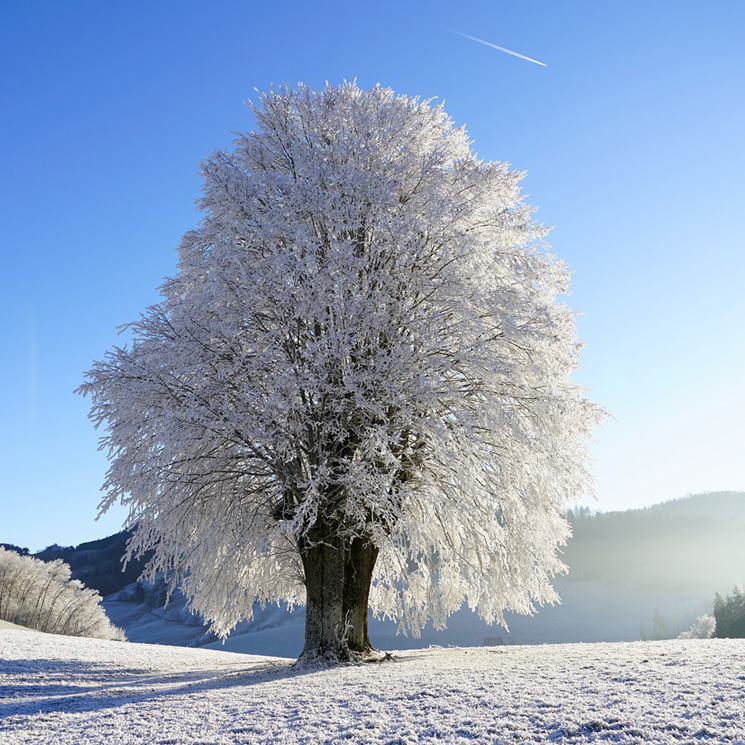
(730, 614)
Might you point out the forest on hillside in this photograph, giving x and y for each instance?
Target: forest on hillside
(693, 542)
(98, 564)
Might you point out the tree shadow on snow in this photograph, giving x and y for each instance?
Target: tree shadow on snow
(32, 687)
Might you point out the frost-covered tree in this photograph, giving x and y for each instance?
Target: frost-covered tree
(703, 628)
(356, 388)
(42, 596)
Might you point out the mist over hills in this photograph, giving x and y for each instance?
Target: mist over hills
(626, 569)
(692, 542)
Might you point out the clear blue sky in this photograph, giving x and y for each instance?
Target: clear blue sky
(633, 139)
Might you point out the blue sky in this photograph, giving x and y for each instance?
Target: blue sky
(632, 138)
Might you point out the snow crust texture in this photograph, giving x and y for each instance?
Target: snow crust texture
(67, 691)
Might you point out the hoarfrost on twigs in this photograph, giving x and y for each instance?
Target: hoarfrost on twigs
(360, 372)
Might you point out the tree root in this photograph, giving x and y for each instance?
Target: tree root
(306, 662)
(380, 658)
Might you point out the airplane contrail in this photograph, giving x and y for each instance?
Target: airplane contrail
(494, 46)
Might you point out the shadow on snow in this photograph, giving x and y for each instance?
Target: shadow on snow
(44, 686)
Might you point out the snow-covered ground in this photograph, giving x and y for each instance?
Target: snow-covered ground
(9, 625)
(66, 690)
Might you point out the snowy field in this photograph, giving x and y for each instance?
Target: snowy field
(65, 690)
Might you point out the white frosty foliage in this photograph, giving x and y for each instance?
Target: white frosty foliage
(43, 596)
(703, 628)
(364, 326)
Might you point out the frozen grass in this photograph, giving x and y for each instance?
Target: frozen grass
(65, 690)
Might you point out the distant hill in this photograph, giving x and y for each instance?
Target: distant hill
(725, 505)
(98, 564)
(693, 542)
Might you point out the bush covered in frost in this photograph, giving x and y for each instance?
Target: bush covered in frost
(703, 628)
(42, 596)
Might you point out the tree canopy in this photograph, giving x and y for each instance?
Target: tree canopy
(357, 386)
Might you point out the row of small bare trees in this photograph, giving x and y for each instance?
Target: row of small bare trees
(43, 596)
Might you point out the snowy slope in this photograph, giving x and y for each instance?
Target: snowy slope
(589, 612)
(67, 691)
(9, 625)
(150, 620)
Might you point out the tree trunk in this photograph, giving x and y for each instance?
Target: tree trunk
(358, 571)
(323, 563)
(338, 574)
